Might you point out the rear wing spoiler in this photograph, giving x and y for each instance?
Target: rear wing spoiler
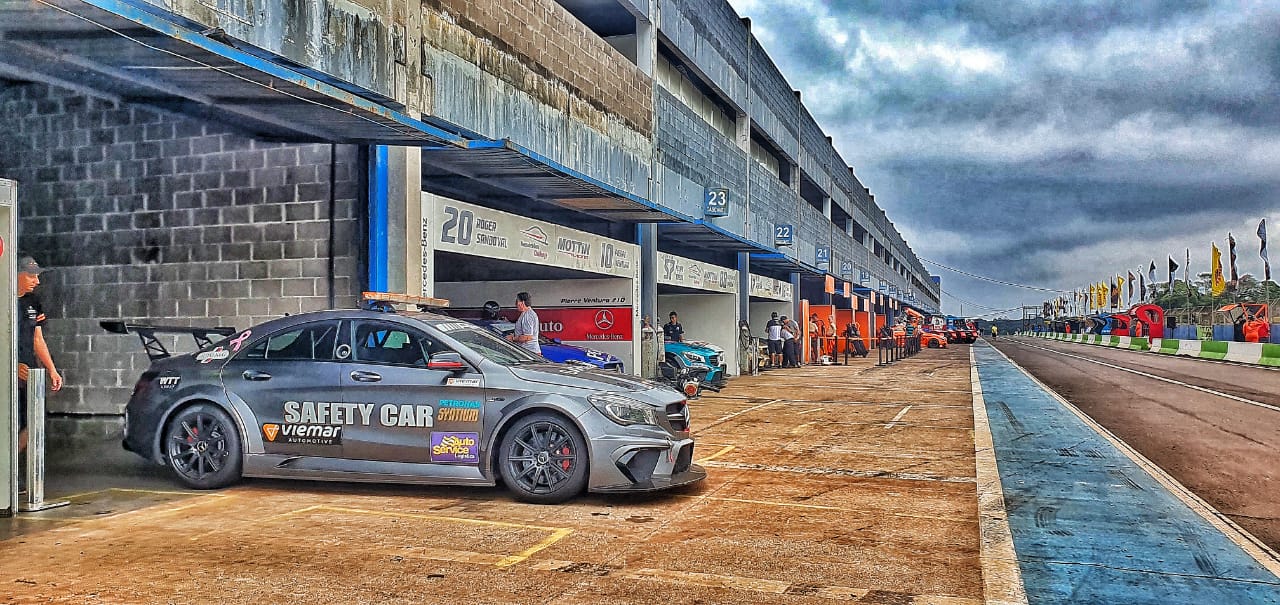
(204, 337)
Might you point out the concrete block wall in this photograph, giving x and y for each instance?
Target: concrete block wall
(711, 35)
(148, 216)
(691, 148)
(546, 39)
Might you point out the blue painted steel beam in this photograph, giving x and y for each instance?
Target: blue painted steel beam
(148, 19)
(379, 234)
(567, 171)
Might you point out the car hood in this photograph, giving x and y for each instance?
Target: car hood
(585, 352)
(582, 377)
(680, 347)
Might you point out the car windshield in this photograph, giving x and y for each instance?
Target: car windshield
(489, 346)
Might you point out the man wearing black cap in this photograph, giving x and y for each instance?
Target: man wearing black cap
(774, 332)
(31, 346)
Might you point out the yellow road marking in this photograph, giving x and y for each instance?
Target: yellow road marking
(384, 513)
(800, 430)
(131, 490)
(532, 550)
(724, 450)
(557, 534)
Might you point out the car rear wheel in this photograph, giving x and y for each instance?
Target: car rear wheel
(543, 459)
(202, 447)
(933, 344)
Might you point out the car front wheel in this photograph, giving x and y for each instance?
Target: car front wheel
(543, 459)
(202, 447)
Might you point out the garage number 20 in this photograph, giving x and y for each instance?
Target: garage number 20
(460, 222)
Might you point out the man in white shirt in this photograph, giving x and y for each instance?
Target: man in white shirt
(526, 332)
(774, 333)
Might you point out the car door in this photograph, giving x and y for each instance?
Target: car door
(418, 415)
(290, 381)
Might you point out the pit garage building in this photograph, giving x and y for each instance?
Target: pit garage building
(223, 163)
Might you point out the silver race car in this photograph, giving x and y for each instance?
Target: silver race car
(377, 395)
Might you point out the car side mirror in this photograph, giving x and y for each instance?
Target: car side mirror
(447, 360)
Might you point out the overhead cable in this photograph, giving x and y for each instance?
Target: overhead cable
(991, 279)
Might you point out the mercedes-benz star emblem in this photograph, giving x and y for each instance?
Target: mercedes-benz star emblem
(604, 319)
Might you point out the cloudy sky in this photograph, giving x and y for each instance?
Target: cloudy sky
(1043, 142)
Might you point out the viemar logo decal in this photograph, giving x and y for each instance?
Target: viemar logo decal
(303, 434)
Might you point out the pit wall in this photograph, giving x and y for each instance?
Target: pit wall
(709, 317)
(593, 313)
(1253, 353)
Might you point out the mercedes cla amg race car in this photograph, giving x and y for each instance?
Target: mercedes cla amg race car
(364, 395)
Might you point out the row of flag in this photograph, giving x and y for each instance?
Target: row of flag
(1107, 294)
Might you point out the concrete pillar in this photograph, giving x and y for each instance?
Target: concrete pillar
(646, 46)
(826, 206)
(744, 286)
(647, 238)
(395, 217)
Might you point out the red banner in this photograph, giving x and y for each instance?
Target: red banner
(586, 324)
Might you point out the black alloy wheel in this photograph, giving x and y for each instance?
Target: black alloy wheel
(202, 446)
(543, 459)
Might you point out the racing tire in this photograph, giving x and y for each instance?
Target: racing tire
(202, 447)
(543, 459)
(933, 344)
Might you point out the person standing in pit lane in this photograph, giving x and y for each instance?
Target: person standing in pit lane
(526, 332)
(815, 339)
(672, 331)
(790, 343)
(32, 349)
(774, 332)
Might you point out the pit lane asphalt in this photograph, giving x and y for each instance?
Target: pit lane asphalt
(1222, 449)
(826, 483)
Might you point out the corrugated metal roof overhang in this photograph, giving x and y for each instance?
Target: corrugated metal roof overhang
(114, 49)
(700, 233)
(781, 263)
(481, 166)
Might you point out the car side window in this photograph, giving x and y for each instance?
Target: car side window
(391, 344)
(309, 342)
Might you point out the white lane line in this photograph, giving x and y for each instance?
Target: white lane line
(736, 414)
(813, 410)
(1160, 378)
(1260, 552)
(1001, 576)
(897, 418)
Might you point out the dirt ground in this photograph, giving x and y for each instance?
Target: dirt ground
(848, 483)
(1223, 450)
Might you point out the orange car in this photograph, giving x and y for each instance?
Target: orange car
(932, 340)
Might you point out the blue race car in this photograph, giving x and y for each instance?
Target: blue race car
(557, 351)
(699, 354)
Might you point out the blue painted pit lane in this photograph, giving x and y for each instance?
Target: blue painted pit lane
(1091, 526)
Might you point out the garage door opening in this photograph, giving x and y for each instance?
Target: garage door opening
(584, 286)
(705, 297)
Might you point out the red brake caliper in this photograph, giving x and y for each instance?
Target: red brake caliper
(564, 464)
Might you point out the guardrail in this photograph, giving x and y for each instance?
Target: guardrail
(1253, 353)
(892, 349)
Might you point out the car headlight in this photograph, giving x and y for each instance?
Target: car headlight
(622, 410)
(691, 356)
